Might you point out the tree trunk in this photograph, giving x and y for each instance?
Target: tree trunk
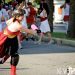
(71, 28)
(50, 16)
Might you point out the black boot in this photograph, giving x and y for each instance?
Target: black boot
(1, 62)
(33, 39)
(27, 39)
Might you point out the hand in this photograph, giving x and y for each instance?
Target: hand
(34, 32)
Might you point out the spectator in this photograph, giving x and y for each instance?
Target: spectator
(44, 27)
(66, 7)
(44, 5)
(31, 14)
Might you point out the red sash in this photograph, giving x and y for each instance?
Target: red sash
(31, 17)
(3, 38)
(43, 19)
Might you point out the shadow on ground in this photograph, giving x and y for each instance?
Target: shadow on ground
(6, 69)
(44, 48)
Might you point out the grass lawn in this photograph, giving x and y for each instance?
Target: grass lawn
(61, 35)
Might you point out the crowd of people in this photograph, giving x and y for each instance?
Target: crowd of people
(29, 16)
(17, 20)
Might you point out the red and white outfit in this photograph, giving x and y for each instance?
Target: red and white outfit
(44, 27)
(9, 46)
(31, 15)
(66, 15)
(66, 12)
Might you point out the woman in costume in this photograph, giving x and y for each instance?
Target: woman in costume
(44, 26)
(66, 7)
(9, 41)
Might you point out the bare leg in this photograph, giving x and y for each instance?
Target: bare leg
(49, 38)
(40, 38)
(66, 26)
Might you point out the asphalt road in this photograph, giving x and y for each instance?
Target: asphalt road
(43, 59)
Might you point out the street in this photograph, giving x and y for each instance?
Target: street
(43, 59)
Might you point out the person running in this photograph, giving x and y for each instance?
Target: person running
(9, 41)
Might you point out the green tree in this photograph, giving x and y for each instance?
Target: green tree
(71, 28)
(37, 1)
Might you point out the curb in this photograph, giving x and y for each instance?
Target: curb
(60, 41)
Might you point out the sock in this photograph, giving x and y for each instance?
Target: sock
(13, 70)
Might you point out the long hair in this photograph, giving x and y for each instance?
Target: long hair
(17, 13)
(67, 1)
(44, 6)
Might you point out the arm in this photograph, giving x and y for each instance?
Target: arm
(62, 6)
(30, 31)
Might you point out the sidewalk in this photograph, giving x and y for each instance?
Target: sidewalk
(43, 59)
(61, 28)
(60, 41)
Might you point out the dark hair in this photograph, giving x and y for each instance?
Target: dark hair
(40, 10)
(67, 1)
(42, 0)
(18, 13)
(29, 3)
(44, 6)
(0, 7)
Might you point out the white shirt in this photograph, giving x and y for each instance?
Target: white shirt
(66, 10)
(43, 14)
